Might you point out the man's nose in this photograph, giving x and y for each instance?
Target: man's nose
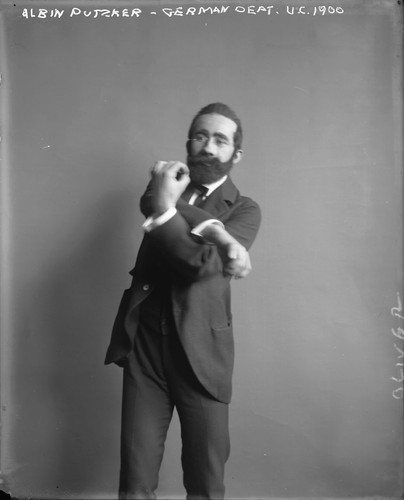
(210, 146)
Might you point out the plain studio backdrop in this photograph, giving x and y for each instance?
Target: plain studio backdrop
(89, 104)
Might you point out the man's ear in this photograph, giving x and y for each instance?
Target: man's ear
(237, 156)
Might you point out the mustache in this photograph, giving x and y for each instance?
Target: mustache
(205, 159)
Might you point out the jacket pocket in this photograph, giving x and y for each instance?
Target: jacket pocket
(223, 330)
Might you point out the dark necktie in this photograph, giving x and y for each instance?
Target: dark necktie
(201, 190)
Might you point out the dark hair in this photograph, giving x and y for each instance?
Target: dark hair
(224, 110)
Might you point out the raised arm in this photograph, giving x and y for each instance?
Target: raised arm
(173, 238)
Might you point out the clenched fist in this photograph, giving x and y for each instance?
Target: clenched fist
(169, 181)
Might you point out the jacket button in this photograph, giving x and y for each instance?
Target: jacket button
(145, 287)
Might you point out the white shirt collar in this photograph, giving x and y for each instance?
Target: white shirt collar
(214, 185)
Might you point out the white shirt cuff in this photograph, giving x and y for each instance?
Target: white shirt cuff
(151, 223)
(198, 230)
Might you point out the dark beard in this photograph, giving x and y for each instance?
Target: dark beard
(206, 170)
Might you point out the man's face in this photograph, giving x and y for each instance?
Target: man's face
(211, 152)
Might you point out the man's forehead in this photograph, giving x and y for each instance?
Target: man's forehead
(215, 122)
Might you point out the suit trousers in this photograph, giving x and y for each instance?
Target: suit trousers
(157, 378)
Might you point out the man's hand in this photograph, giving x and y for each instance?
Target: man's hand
(235, 258)
(169, 181)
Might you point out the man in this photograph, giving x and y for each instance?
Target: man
(173, 331)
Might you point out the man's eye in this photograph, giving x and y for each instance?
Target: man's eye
(221, 142)
(200, 138)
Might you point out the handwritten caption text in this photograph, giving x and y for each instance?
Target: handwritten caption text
(398, 333)
(135, 13)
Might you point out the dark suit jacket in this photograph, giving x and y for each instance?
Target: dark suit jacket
(200, 292)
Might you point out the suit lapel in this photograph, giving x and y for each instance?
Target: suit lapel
(186, 195)
(221, 199)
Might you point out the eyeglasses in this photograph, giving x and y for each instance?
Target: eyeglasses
(203, 139)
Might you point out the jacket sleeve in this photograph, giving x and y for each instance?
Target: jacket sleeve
(194, 260)
(244, 223)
